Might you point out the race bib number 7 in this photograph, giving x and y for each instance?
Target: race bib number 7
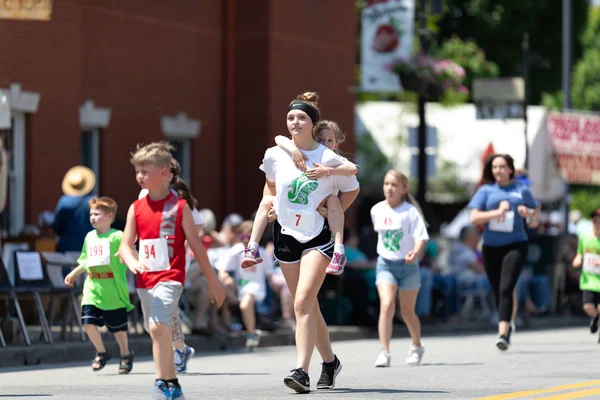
(154, 253)
(300, 221)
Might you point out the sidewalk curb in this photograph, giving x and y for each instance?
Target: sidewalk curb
(74, 351)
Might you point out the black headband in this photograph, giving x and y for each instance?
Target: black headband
(302, 106)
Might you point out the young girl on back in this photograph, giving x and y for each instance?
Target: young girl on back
(329, 134)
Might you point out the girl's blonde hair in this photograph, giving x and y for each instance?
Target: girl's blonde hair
(340, 136)
(403, 179)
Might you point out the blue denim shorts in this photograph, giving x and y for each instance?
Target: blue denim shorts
(405, 276)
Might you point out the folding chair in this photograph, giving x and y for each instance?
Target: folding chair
(32, 278)
(7, 291)
(55, 262)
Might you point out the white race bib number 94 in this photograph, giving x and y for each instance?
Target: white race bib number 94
(98, 253)
(154, 253)
(504, 223)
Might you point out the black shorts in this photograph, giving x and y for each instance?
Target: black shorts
(590, 297)
(115, 320)
(289, 250)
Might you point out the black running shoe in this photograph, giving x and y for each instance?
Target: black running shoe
(503, 343)
(328, 373)
(594, 324)
(298, 380)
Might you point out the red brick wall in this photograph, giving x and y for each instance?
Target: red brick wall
(144, 61)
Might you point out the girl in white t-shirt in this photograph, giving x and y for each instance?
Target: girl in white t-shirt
(303, 244)
(251, 283)
(182, 352)
(329, 134)
(402, 235)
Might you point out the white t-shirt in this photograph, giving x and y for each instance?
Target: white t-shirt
(250, 280)
(398, 229)
(198, 221)
(297, 196)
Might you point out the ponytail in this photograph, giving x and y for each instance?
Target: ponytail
(184, 191)
(410, 199)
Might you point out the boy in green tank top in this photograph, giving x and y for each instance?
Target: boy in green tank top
(105, 291)
(588, 257)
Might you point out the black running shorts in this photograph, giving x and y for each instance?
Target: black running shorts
(289, 250)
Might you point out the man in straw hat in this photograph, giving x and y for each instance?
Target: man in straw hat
(72, 214)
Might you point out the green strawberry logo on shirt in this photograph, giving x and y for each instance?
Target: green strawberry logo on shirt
(300, 188)
(391, 240)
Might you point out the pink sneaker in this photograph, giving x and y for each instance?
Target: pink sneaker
(337, 264)
(251, 257)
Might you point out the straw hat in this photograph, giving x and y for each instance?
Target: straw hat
(78, 181)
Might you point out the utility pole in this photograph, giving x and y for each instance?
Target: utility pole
(422, 132)
(525, 46)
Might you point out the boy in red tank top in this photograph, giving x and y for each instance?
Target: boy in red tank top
(162, 222)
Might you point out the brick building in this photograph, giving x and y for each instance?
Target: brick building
(212, 76)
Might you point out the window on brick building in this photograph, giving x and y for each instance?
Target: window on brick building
(90, 153)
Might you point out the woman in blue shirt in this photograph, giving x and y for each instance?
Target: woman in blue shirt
(502, 206)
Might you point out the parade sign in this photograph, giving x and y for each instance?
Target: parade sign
(26, 9)
(387, 35)
(576, 141)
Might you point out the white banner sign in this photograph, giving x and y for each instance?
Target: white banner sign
(387, 35)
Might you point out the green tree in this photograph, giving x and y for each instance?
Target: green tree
(586, 74)
(498, 28)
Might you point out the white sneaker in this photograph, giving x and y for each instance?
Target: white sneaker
(415, 354)
(383, 359)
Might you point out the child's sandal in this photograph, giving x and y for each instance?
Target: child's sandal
(126, 364)
(100, 360)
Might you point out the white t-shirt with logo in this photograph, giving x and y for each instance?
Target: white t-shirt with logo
(297, 196)
(398, 229)
(251, 280)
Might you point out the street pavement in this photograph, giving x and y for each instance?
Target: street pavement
(552, 364)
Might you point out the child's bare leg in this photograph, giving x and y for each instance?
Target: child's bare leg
(335, 217)
(176, 332)
(260, 220)
(121, 338)
(162, 351)
(95, 337)
(251, 255)
(248, 313)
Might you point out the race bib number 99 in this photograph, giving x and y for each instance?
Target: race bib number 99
(154, 253)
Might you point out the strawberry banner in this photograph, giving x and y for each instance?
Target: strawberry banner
(387, 35)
